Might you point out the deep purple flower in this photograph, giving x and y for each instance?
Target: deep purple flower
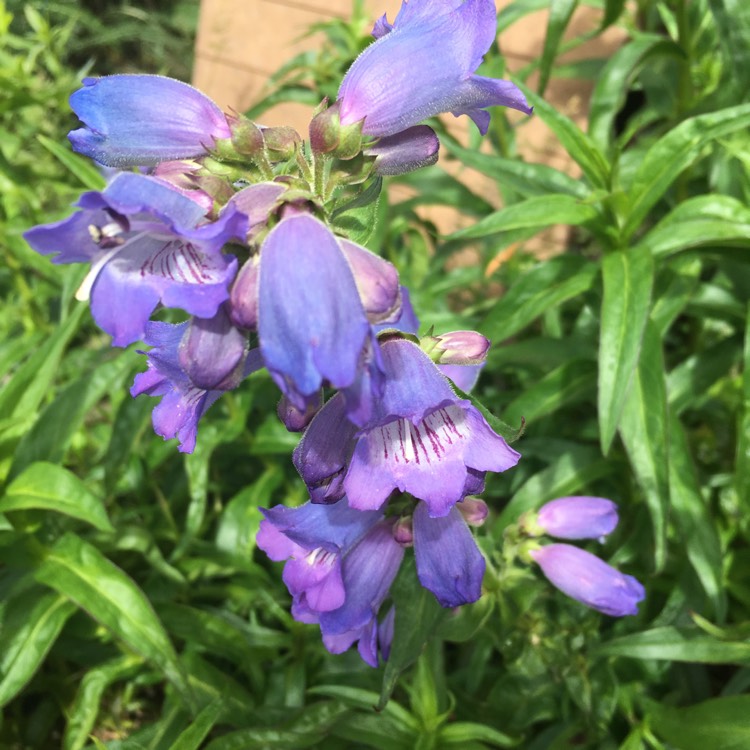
(147, 243)
(449, 564)
(340, 566)
(314, 295)
(584, 577)
(578, 517)
(422, 65)
(406, 151)
(140, 120)
(421, 439)
(208, 352)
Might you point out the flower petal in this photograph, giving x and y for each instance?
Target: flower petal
(406, 151)
(448, 561)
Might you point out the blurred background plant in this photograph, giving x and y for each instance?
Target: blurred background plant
(134, 613)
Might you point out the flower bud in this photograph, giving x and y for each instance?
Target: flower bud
(456, 348)
(294, 419)
(589, 580)
(281, 142)
(404, 152)
(329, 136)
(247, 136)
(211, 351)
(243, 297)
(473, 510)
(403, 531)
(578, 517)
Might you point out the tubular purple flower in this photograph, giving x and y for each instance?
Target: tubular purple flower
(587, 579)
(422, 439)
(147, 243)
(406, 151)
(423, 65)
(449, 563)
(368, 571)
(183, 401)
(312, 325)
(578, 517)
(141, 120)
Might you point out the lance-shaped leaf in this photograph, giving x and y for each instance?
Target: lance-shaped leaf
(627, 278)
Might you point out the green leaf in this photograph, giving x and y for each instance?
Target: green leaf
(459, 732)
(579, 146)
(544, 286)
(645, 434)
(673, 153)
(80, 572)
(357, 219)
(418, 614)
(627, 278)
(571, 382)
(694, 519)
(612, 11)
(537, 212)
(677, 644)
(516, 10)
(704, 221)
(203, 723)
(742, 460)
(718, 724)
(23, 393)
(367, 700)
(732, 18)
(528, 179)
(81, 716)
(88, 175)
(50, 487)
(612, 83)
(31, 623)
(560, 13)
(51, 434)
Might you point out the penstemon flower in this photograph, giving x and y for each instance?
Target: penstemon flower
(422, 65)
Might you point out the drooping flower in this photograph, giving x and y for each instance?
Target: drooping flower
(422, 65)
(190, 366)
(340, 566)
(147, 243)
(449, 564)
(578, 517)
(315, 293)
(141, 120)
(589, 580)
(422, 439)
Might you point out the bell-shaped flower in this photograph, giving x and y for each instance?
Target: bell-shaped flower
(368, 571)
(589, 580)
(578, 517)
(190, 366)
(449, 563)
(141, 120)
(314, 297)
(421, 439)
(146, 243)
(422, 65)
(340, 566)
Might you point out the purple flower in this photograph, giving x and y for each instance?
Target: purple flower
(190, 366)
(449, 564)
(140, 120)
(314, 296)
(406, 151)
(147, 243)
(421, 439)
(578, 517)
(584, 577)
(340, 566)
(423, 65)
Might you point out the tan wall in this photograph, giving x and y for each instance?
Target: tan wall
(241, 42)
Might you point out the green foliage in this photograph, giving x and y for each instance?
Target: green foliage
(135, 611)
